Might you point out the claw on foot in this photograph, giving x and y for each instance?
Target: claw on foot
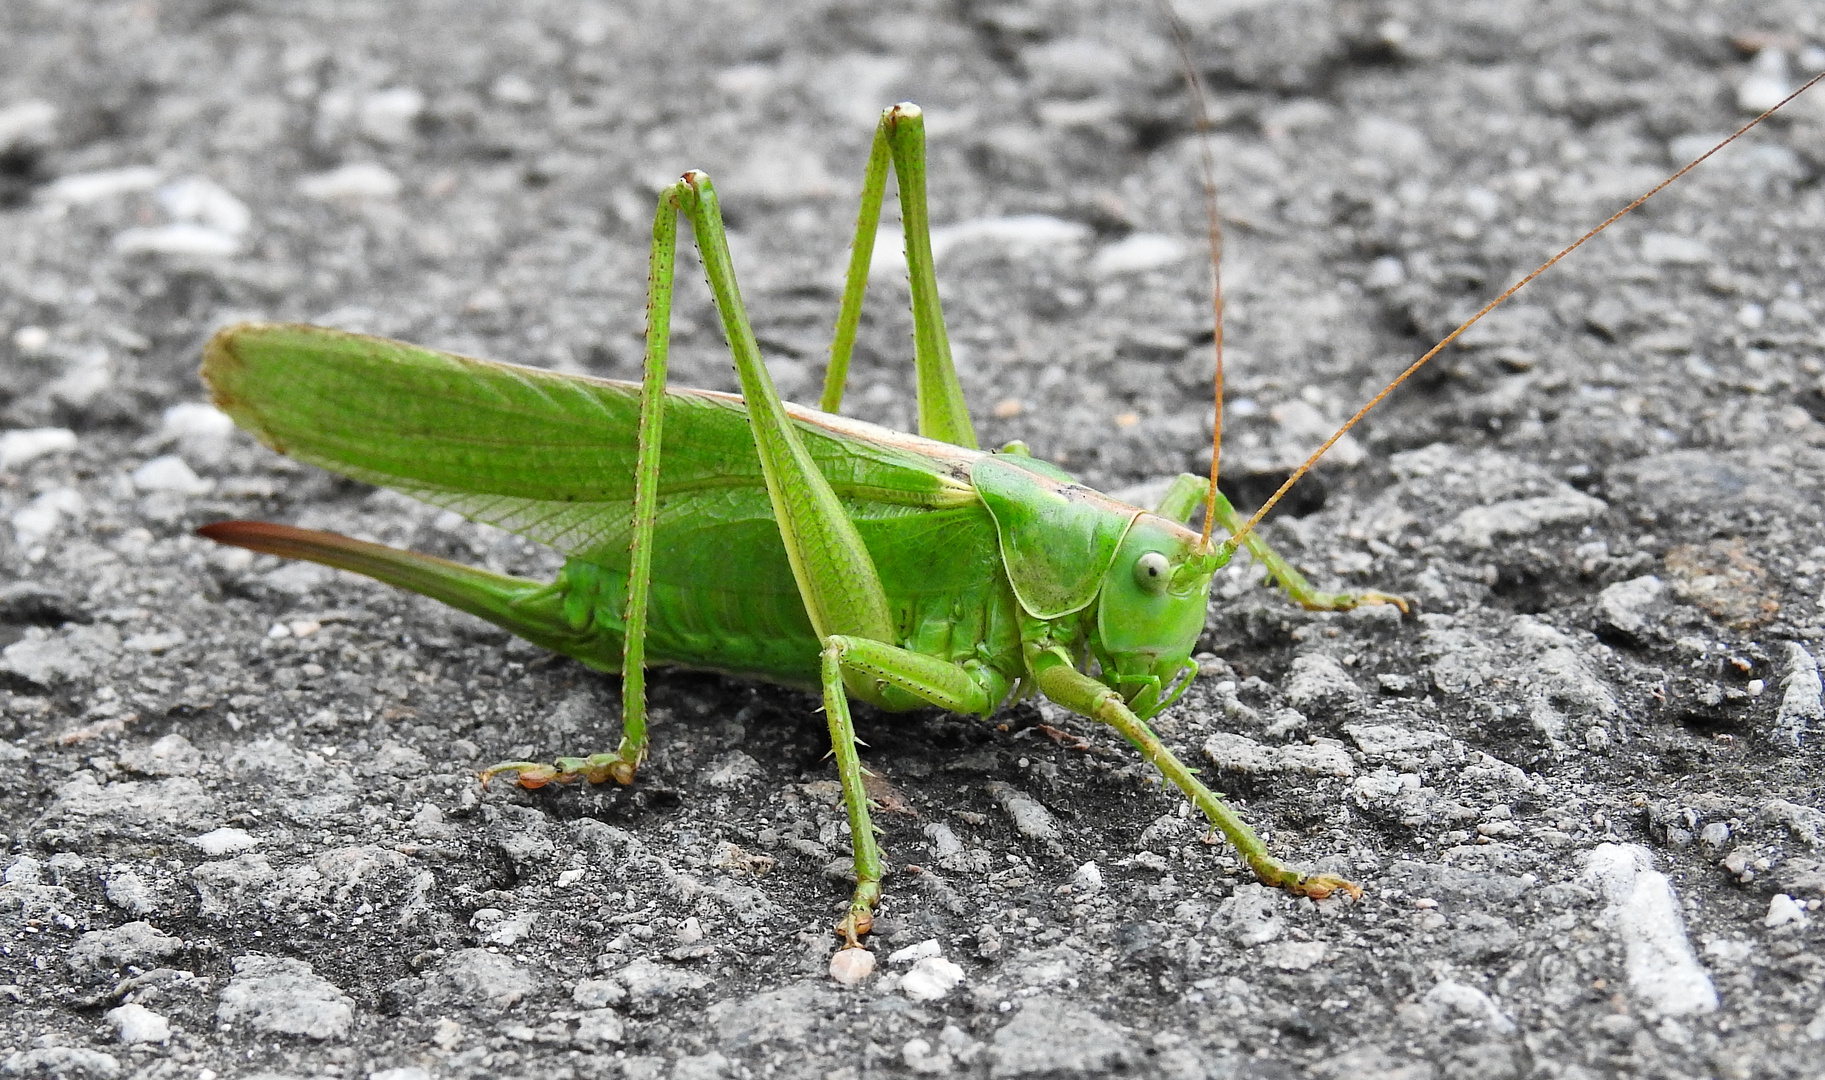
(854, 926)
(596, 768)
(1320, 886)
(1385, 598)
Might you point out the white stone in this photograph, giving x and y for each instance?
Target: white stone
(225, 841)
(170, 473)
(81, 189)
(387, 115)
(29, 444)
(1451, 998)
(207, 203)
(1662, 970)
(914, 953)
(1139, 252)
(1088, 878)
(27, 123)
(1671, 248)
(134, 1023)
(182, 238)
(1783, 909)
(361, 180)
(930, 979)
(851, 967)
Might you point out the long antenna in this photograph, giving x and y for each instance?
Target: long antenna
(1214, 225)
(1236, 539)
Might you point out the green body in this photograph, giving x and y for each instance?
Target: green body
(743, 535)
(552, 457)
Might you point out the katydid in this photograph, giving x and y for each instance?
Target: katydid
(749, 536)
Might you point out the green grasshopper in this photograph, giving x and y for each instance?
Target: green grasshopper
(761, 539)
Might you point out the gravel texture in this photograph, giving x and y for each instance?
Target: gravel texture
(1582, 785)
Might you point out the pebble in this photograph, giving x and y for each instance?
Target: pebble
(171, 755)
(129, 892)
(1383, 740)
(1293, 955)
(1674, 250)
(1031, 819)
(134, 1023)
(1630, 606)
(136, 944)
(29, 444)
(650, 985)
(1803, 703)
(1139, 252)
(1455, 999)
(1662, 970)
(1480, 526)
(1318, 679)
(206, 203)
(39, 519)
(361, 180)
(180, 238)
(1049, 1037)
(1088, 878)
(1324, 757)
(914, 953)
(82, 189)
(388, 116)
(170, 473)
(1251, 915)
(851, 967)
(284, 997)
(931, 978)
(27, 124)
(84, 810)
(1805, 823)
(1782, 909)
(62, 1061)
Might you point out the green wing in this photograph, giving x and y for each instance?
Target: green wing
(546, 455)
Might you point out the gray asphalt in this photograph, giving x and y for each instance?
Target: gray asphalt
(1581, 784)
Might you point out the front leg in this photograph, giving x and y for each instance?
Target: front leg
(1074, 690)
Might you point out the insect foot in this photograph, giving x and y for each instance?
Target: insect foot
(596, 768)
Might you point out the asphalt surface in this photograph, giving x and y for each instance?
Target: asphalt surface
(1581, 784)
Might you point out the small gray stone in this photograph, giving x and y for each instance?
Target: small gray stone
(1251, 915)
(524, 835)
(732, 770)
(482, 979)
(1051, 1038)
(1030, 818)
(785, 1017)
(232, 885)
(1631, 607)
(710, 1066)
(601, 1027)
(285, 997)
(1318, 679)
(62, 1061)
(1803, 703)
(1805, 823)
(171, 755)
(650, 985)
(85, 811)
(139, 944)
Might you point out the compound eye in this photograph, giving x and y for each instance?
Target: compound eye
(1152, 572)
